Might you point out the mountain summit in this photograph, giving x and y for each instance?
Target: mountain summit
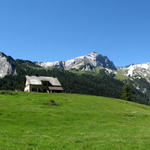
(87, 62)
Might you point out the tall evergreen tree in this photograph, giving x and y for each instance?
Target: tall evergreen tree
(127, 92)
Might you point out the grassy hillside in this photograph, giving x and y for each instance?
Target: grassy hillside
(28, 121)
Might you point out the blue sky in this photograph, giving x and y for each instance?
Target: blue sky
(50, 30)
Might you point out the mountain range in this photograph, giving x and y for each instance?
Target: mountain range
(137, 74)
(84, 63)
(94, 60)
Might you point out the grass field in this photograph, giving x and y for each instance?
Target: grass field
(77, 122)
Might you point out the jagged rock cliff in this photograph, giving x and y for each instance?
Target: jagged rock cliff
(87, 63)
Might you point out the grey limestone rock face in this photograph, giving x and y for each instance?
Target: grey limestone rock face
(87, 62)
(5, 66)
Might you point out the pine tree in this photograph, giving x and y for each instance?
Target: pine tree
(127, 92)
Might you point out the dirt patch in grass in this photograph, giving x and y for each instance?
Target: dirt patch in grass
(128, 116)
(51, 103)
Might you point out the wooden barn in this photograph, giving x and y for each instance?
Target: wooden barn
(42, 84)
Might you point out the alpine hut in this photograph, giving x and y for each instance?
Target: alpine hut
(42, 84)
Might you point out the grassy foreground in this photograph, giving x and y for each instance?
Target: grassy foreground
(78, 122)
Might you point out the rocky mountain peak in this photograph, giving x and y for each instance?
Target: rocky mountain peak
(93, 54)
(87, 62)
(5, 66)
(136, 70)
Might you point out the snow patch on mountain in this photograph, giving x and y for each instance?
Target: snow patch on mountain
(138, 71)
(49, 64)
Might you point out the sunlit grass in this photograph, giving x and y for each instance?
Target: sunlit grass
(78, 122)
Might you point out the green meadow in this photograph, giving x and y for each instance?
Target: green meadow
(30, 121)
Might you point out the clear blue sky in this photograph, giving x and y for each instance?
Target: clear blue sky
(50, 30)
